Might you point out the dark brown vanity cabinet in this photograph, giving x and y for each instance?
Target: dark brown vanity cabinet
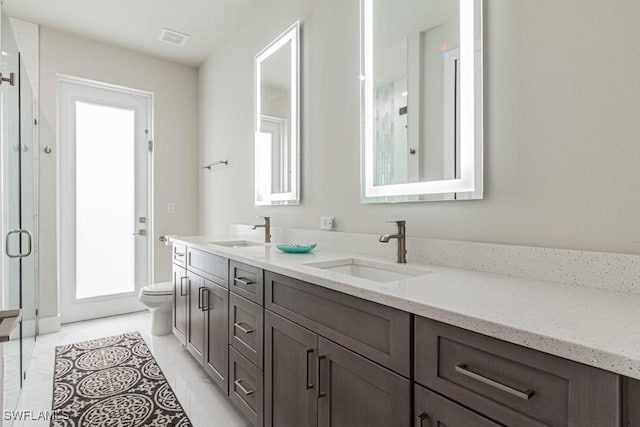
(216, 355)
(510, 384)
(180, 303)
(632, 403)
(201, 311)
(312, 381)
(291, 360)
(196, 322)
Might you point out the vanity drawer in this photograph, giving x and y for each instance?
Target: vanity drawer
(246, 387)
(377, 332)
(207, 265)
(179, 255)
(246, 326)
(247, 281)
(511, 384)
(434, 410)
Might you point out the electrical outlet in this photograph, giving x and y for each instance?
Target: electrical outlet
(171, 208)
(328, 223)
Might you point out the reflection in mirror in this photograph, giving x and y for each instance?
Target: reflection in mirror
(277, 131)
(422, 100)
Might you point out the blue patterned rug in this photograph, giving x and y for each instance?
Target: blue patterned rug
(112, 381)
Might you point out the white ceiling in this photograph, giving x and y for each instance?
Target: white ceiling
(136, 24)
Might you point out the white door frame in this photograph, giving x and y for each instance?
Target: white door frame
(97, 306)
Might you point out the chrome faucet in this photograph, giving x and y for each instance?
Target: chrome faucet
(401, 235)
(266, 226)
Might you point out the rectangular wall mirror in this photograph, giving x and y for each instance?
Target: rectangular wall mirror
(421, 109)
(277, 133)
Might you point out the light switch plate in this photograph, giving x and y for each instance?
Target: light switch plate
(328, 223)
(171, 208)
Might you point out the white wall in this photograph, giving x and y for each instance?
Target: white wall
(562, 135)
(176, 140)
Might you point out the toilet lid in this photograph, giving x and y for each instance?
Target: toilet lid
(162, 288)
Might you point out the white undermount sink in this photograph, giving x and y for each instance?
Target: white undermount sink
(238, 244)
(371, 270)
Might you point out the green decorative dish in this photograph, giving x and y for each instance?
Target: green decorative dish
(296, 248)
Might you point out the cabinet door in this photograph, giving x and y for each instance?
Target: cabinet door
(180, 298)
(196, 320)
(355, 392)
(216, 349)
(291, 353)
(632, 403)
(435, 410)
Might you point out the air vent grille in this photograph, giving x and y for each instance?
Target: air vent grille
(173, 37)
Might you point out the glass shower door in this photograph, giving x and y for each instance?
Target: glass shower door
(18, 212)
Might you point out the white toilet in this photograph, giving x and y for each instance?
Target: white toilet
(158, 298)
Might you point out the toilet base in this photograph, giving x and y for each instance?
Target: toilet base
(160, 322)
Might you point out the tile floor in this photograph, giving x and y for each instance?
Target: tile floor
(205, 405)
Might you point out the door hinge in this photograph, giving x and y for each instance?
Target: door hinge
(150, 146)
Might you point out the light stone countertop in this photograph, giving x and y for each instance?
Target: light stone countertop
(592, 326)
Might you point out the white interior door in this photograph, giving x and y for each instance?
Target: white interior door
(104, 163)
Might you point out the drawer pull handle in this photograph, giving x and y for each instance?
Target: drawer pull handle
(179, 255)
(242, 328)
(243, 281)
(246, 392)
(422, 418)
(524, 395)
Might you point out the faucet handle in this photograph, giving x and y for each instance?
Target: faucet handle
(397, 221)
(263, 217)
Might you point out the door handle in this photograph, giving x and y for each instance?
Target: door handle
(205, 297)
(320, 394)
(422, 418)
(182, 293)
(200, 297)
(141, 232)
(309, 383)
(20, 233)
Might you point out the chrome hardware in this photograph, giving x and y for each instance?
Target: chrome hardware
(242, 328)
(140, 233)
(524, 395)
(401, 235)
(163, 239)
(19, 233)
(142, 220)
(266, 226)
(219, 162)
(11, 80)
(48, 150)
(238, 384)
(245, 282)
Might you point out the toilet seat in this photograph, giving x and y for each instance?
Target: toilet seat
(158, 289)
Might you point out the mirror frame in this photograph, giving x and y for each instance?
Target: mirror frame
(292, 34)
(470, 183)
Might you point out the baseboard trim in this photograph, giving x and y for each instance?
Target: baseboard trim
(47, 325)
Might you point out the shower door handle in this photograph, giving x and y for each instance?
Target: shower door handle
(19, 233)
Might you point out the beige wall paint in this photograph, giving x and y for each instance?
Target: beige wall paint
(175, 89)
(562, 135)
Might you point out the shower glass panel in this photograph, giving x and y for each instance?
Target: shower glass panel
(19, 157)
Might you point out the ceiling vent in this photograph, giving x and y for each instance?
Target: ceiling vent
(173, 37)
